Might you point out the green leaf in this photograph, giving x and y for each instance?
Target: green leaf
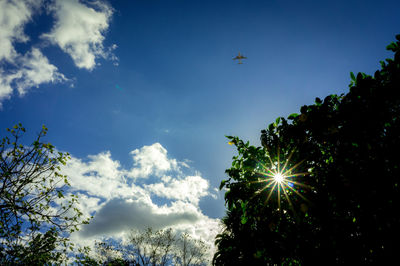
(392, 47)
(271, 127)
(353, 78)
(243, 205)
(222, 184)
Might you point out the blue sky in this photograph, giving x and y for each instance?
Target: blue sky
(151, 85)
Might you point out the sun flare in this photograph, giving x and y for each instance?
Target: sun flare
(280, 179)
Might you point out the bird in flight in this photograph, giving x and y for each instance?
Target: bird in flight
(240, 57)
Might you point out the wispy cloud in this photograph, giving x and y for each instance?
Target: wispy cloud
(30, 70)
(79, 31)
(22, 71)
(13, 17)
(35, 69)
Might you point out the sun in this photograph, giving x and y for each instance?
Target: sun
(280, 178)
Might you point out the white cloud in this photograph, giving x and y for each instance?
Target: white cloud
(191, 189)
(79, 31)
(23, 71)
(100, 177)
(13, 16)
(33, 69)
(123, 215)
(119, 201)
(5, 85)
(151, 160)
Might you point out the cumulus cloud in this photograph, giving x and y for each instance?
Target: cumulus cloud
(120, 201)
(99, 177)
(79, 31)
(151, 160)
(123, 215)
(190, 188)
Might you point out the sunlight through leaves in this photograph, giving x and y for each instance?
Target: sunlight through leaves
(280, 179)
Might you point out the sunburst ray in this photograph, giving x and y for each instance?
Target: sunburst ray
(279, 179)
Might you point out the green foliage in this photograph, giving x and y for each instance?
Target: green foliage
(36, 216)
(346, 212)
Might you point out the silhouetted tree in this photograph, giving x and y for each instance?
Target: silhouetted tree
(337, 198)
(148, 247)
(190, 251)
(104, 254)
(35, 214)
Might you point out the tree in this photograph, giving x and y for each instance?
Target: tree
(104, 254)
(190, 251)
(149, 247)
(323, 189)
(36, 215)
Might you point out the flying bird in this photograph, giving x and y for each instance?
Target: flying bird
(240, 57)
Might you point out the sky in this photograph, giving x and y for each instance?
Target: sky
(142, 93)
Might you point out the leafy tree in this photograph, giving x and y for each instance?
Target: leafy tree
(324, 188)
(148, 247)
(35, 213)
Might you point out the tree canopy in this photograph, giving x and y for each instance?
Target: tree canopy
(149, 247)
(36, 215)
(323, 187)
